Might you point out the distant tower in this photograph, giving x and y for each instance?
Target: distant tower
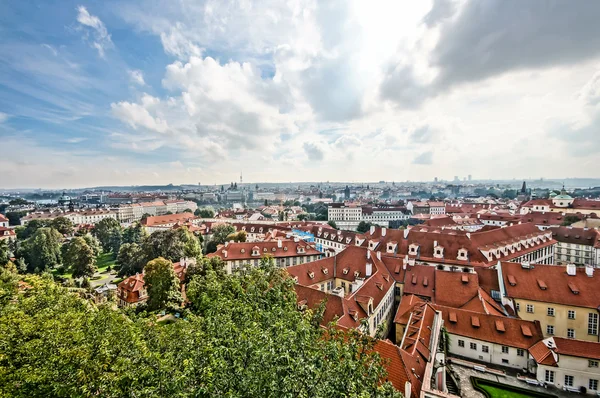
(524, 188)
(347, 192)
(470, 177)
(241, 178)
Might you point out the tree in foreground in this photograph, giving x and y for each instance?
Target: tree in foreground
(79, 258)
(243, 338)
(62, 225)
(130, 259)
(162, 284)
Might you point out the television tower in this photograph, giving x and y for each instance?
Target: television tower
(241, 178)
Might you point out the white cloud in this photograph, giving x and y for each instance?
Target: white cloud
(138, 116)
(101, 40)
(3, 117)
(136, 77)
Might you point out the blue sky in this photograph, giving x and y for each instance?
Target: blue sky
(128, 92)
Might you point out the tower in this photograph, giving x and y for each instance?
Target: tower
(241, 178)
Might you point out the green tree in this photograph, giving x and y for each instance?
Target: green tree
(303, 216)
(135, 233)
(332, 224)
(570, 219)
(30, 228)
(104, 231)
(239, 236)
(93, 243)
(4, 252)
(220, 233)
(42, 250)
(172, 244)
(162, 284)
(205, 265)
(14, 217)
(130, 259)
(204, 213)
(363, 227)
(115, 240)
(79, 258)
(62, 225)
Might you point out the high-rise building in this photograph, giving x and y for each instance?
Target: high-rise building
(435, 179)
(470, 177)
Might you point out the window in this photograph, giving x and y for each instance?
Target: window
(504, 349)
(530, 308)
(485, 348)
(505, 361)
(550, 329)
(593, 385)
(550, 311)
(520, 352)
(571, 314)
(571, 333)
(593, 323)
(518, 307)
(592, 364)
(549, 378)
(568, 381)
(473, 346)
(461, 343)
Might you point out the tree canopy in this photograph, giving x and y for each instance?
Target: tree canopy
(79, 258)
(42, 250)
(162, 284)
(104, 231)
(172, 244)
(62, 225)
(244, 338)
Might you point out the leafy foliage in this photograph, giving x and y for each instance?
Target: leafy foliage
(332, 224)
(172, 244)
(79, 258)
(104, 232)
(220, 233)
(244, 338)
(162, 284)
(42, 250)
(135, 233)
(240, 236)
(204, 213)
(130, 259)
(62, 225)
(363, 227)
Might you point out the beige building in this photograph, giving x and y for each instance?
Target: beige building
(565, 300)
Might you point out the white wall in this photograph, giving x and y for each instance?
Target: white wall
(494, 356)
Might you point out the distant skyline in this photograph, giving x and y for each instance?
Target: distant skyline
(149, 93)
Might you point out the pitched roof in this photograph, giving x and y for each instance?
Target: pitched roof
(578, 236)
(495, 329)
(577, 348)
(542, 354)
(168, 219)
(558, 287)
(275, 248)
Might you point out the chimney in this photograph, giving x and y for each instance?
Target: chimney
(372, 229)
(368, 269)
(435, 243)
(383, 231)
(589, 270)
(468, 235)
(279, 243)
(571, 269)
(379, 256)
(368, 254)
(225, 253)
(405, 233)
(182, 261)
(226, 243)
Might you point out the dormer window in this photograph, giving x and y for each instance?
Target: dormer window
(264, 249)
(462, 254)
(345, 271)
(412, 249)
(295, 279)
(252, 229)
(311, 274)
(273, 249)
(356, 274)
(285, 248)
(243, 251)
(255, 251)
(438, 252)
(325, 271)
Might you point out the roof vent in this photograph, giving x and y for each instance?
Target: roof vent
(589, 270)
(542, 284)
(500, 326)
(464, 278)
(475, 321)
(573, 288)
(452, 317)
(526, 331)
(571, 269)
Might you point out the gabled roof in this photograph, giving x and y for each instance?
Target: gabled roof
(168, 219)
(578, 236)
(276, 248)
(495, 329)
(522, 283)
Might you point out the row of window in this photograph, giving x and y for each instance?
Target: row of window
(550, 375)
(486, 348)
(592, 319)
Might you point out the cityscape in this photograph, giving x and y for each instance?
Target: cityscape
(299, 199)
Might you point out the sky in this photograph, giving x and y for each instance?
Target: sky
(126, 92)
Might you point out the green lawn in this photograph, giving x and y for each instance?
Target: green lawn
(492, 389)
(102, 262)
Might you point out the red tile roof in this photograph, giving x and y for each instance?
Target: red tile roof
(577, 348)
(168, 219)
(488, 328)
(244, 250)
(522, 283)
(542, 354)
(578, 236)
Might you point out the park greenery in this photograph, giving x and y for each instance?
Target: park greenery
(240, 335)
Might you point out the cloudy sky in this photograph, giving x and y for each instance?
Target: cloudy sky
(181, 91)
